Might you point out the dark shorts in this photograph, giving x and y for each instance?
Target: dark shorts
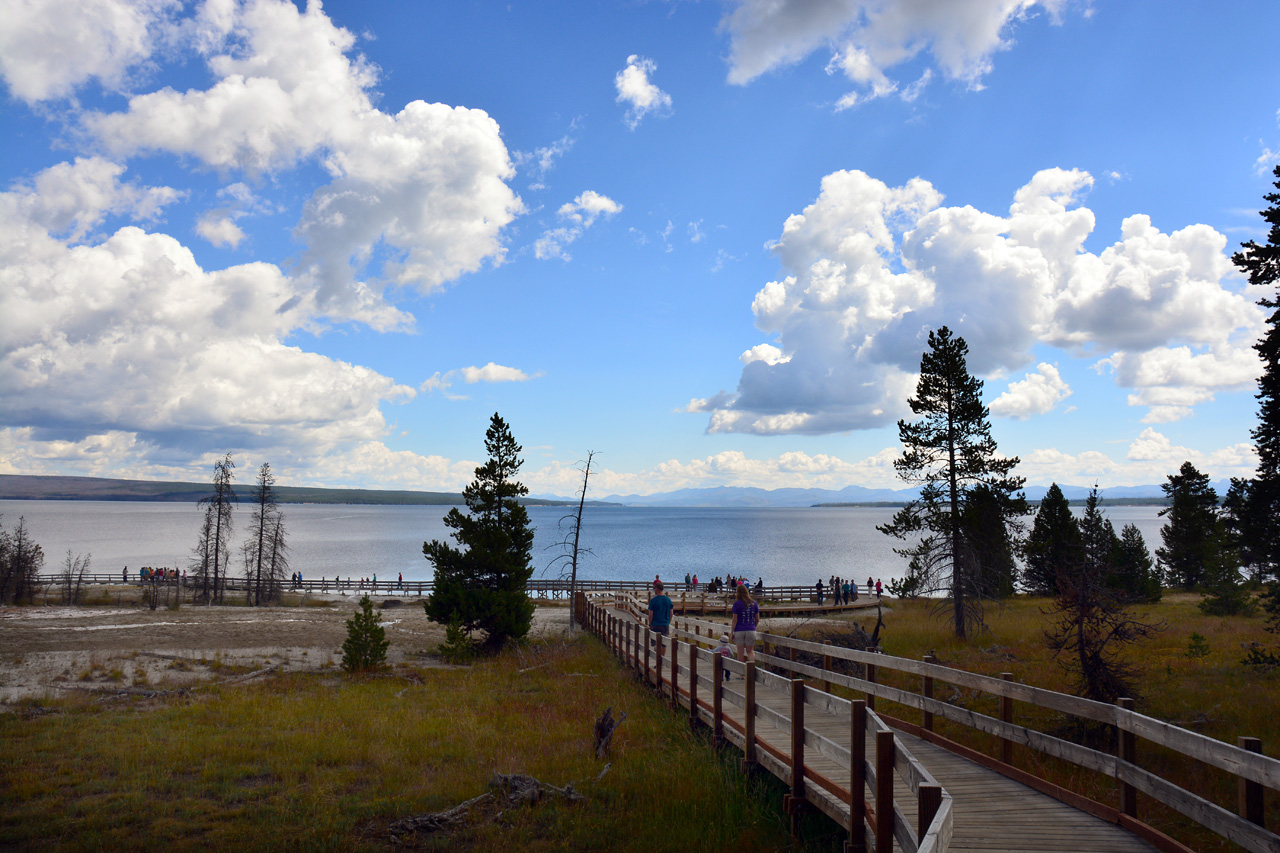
(660, 629)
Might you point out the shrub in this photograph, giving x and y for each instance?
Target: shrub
(365, 649)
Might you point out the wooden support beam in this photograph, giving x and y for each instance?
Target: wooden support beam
(749, 719)
(717, 700)
(926, 690)
(1251, 793)
(693, 685)
(928, 801)
(659, 654)
(1006, 714)
(884, 790)
(857, 842)
(1127, 750)
(797, 738)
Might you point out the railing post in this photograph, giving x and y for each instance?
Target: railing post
(857, 777)
(717, 699)
(1251, 792)
(693, 685)
(826, 667)
(793, 802)
(871, 698)
(749, 719)
(928, 801)
(674, 666)
(658, 653)
(1006, 714)
(884, 791)
(1128, 752)
(626, 644)
(648, 639)
(926, 691)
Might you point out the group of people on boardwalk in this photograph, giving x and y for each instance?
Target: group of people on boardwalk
(716, 584)
(148, 574)
(742, 626)
(844, 590)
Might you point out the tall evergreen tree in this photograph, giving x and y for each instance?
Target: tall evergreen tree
(990, 543)
(1192, 543)
(482, 588)
(21, 559)
(1098, 536)
(1054, 545)
(1134, 573)
(1261, 262)
(948, 452)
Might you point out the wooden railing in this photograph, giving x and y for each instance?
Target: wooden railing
(670, 663)
(1254, 772)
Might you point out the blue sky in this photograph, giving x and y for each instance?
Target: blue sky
(705, 240)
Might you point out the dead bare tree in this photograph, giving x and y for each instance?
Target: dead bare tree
(218, 515)
(264, 584)
(571, 541)
(74, 570)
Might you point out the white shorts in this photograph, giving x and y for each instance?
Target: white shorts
(744, 638)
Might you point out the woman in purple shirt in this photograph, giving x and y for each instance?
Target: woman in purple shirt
(746, 616)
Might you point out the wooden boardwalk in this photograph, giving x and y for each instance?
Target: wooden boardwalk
(991, 812)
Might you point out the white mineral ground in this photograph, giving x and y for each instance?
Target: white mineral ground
(54, 650)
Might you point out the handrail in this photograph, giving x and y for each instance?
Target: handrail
(673, 669)
(1251, 767)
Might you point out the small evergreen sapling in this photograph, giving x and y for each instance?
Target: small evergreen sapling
(365, 649)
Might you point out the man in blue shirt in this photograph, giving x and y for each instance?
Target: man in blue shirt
(660, 608)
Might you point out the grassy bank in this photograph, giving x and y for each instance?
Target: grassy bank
(326, 762)
(1205, 689)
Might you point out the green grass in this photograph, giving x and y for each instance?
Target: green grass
(326, 762)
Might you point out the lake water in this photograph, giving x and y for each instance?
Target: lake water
(782, 545)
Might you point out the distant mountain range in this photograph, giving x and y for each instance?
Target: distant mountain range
(38, 488)
(736, 496)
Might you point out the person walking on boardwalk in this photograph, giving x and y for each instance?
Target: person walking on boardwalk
(724, 650)
(746, 616)
(817, 587)
(660, 608)
(688, 582)
(878, 588)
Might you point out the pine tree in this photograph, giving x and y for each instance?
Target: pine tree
(1054, 545)
(949, 452)
(1134, 573)
(365, 648)
(1262, 264)
(1191, 536)
(483, 586)
(991, 547)
(1092, 625)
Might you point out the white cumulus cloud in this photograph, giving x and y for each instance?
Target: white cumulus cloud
(1036, 394)
(578, 215)
(426, 186)
(870, 269)
(640, 95)
(866, 39)
(490, 372)
(49, 47)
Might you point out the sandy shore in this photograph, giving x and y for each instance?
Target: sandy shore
(48, 651)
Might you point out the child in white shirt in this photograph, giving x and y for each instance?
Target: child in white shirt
(727, 651)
